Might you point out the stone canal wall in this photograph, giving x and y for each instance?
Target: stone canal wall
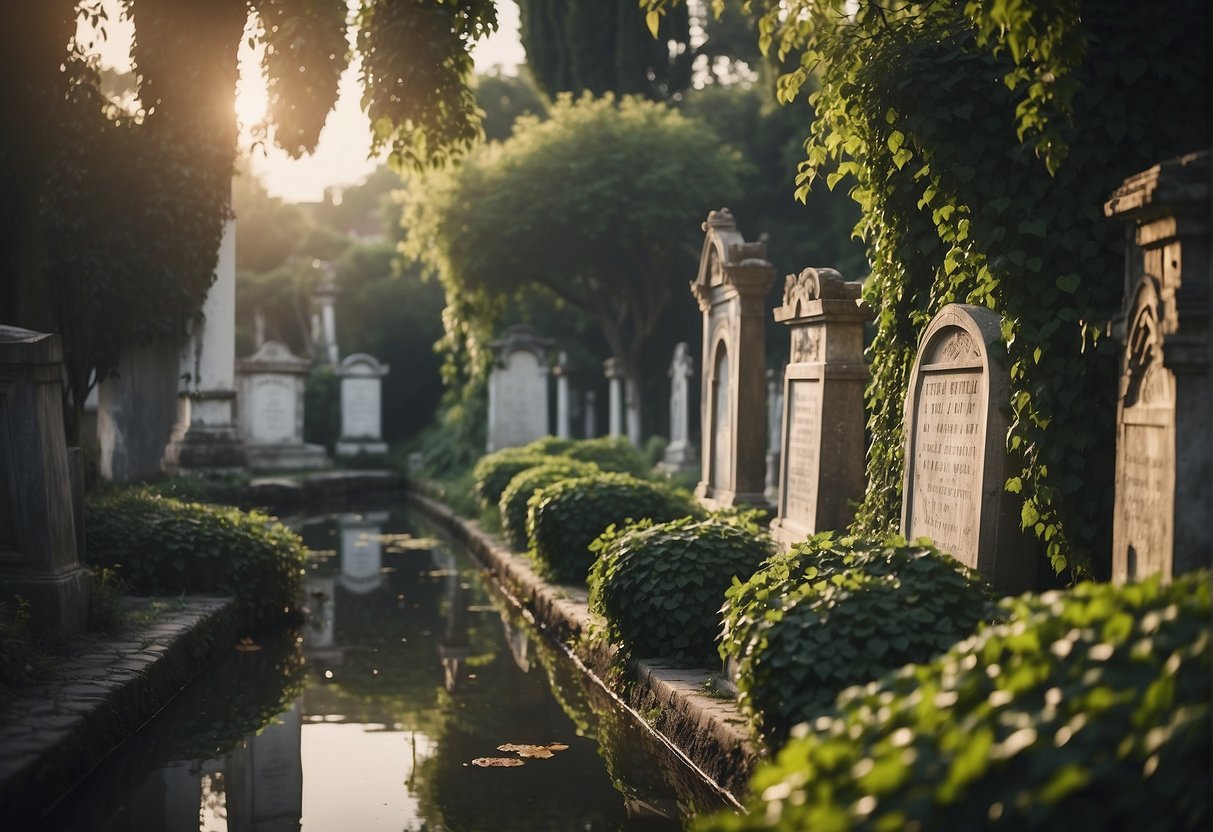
(676, 703)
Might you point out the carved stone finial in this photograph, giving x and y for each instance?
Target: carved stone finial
(816, 284)
(722, 218)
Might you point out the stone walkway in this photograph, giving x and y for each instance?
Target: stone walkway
(104, 688)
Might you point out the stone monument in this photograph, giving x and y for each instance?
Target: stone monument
(204, 440)
(822, 423)
(518, 389)
(680, 453)
(731, 285)
(956, 434)
(39, 559)
(361, 406)
(1164, 414)
(272, 384)
(564, 416)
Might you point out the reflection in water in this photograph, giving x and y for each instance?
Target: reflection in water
(409, 671)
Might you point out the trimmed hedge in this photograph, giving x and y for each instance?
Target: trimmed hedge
(829, 614)
(660, 587)
(1088, 708)
(165, 546)
(612, 453)
(563, 519)
(494, 472)
(551, 445)
(512, 505)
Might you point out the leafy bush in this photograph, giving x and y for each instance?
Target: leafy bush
(168, 546)
(512, 505)
(1087, 707)
(494, 471)
(828, 615)
(563, 519)
(660, 587)
(612, 453)
(22, 660)
(551, 445)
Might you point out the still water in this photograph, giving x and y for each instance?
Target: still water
(380, 714)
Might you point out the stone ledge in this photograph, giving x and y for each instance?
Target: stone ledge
(709, 731)
(106, 689)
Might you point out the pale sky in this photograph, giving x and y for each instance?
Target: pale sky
(341, 156)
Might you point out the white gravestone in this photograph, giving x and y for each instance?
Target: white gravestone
(270, 404)
(361, 406)
(955, 469)
(518, 389)
(730, 288)
(680, 454)
(822, 419)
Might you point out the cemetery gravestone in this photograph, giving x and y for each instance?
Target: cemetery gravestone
(1164, 413)
(518, 389)
(955, 454)
(361, 406)
(680, 453)
(271, 383)
(730, 288)
(822, 468)
(39, 558)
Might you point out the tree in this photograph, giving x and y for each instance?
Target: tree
(599, 206)
(980, 141)
(110, 218)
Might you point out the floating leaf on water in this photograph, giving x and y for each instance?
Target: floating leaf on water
(498, 762)
(540, 752)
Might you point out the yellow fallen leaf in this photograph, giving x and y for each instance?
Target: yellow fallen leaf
(498, 762)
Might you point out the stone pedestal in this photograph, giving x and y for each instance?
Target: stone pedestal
(361, 406)
(518, 389)
(38, 547)
(272, 382)
(564, 423)
(1164, 413)
(731, 286)
(821, 422)
(204, 440)
(612, 368)
(680, 453)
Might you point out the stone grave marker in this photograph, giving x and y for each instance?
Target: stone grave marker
(680, 453)
(361, 406)
(822, 467)
(730, 288)
(1164, 413)
(270, 403)
(39, 558)
(955, 468)
(518, 389)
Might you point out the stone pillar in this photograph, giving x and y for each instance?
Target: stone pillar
(680, 453)
(591, 414)
(325, 298)
(361, 406)
(731, 288)
(204, 439)
(613, 369)
(564, 425)
(1164, 413)
(38, 549)
(817, 431)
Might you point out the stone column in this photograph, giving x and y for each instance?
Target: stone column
(613, 369)
(563, 417)
(325, 298)
(204, 440)
(591, 414)
(38, 550)
(1164, 413)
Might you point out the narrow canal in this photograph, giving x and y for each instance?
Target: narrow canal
(389, 710)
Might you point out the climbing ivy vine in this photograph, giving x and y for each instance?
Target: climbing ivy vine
(980, 141)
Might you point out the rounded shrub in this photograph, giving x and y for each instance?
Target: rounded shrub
(846, 613)
(165, 546)
(512, 505)
(564, 518)
(494, 471)
(1089, 707)
(659, 588)
(551, 445)
(611, 453)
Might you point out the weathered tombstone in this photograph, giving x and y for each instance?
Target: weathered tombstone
(38, 552)
(361, 406)
(564, 416)
(204, 440)
(822, 423)
(1164, 415)
(956, 433)
(680, 453)
(518, 389)
(613, 370)
(272, 382)
(730, 287)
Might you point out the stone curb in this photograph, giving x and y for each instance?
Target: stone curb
(709, 731)
(107, 688)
